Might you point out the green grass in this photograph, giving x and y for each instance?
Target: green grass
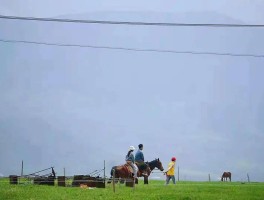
(155, 190)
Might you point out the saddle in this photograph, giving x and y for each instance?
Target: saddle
(141, 166)
(129, 169)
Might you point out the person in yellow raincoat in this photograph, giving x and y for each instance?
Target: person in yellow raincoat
(170, 171)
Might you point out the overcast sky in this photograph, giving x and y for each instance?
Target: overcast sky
(76, 107)
(246, 10)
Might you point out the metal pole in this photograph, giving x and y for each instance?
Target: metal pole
(64, 171)
(248, 178)
(40, 171)
(178, 173)
(22, 168)
(104, 171)
(209, 177)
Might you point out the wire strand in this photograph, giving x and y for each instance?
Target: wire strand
(133, 49)
(132, 23)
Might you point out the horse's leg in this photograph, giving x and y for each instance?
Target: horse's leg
(116, 177)
(122, 180)
(110, 180)
(122, 177)
(145, 179)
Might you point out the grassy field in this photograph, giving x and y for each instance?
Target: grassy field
(155, 190)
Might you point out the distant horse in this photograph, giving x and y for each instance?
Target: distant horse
(225, 176)
(125, 172)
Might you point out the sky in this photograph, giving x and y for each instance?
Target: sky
(246, 10)
(73, 108)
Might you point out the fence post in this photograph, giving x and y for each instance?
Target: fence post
(113, 179)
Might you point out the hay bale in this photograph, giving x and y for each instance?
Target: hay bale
(90, 181)
(77, 180)
(100, 183)
(129, 182)
(61, 181)
(13, 179)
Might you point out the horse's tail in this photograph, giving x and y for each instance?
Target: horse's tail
(111, 173)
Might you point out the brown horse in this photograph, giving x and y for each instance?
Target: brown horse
(225, 176)
(125, 172)
(121, 173)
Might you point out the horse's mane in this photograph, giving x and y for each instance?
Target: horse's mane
(155, 160)
(152, 163)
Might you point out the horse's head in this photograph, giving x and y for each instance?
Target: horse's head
(159, 165)
(155, 164)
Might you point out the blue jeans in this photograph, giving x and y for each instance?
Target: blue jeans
(169, 177)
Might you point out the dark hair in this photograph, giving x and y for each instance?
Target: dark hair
(128, 153)
(140, 145)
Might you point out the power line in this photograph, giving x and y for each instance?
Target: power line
(133, 49)
(131, 23)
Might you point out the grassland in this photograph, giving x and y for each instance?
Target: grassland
(155, 190)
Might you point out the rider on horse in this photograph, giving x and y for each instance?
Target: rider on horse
(139, 159)
(130, 160)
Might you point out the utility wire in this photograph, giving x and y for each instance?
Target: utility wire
(133, 49)
(131, 23)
